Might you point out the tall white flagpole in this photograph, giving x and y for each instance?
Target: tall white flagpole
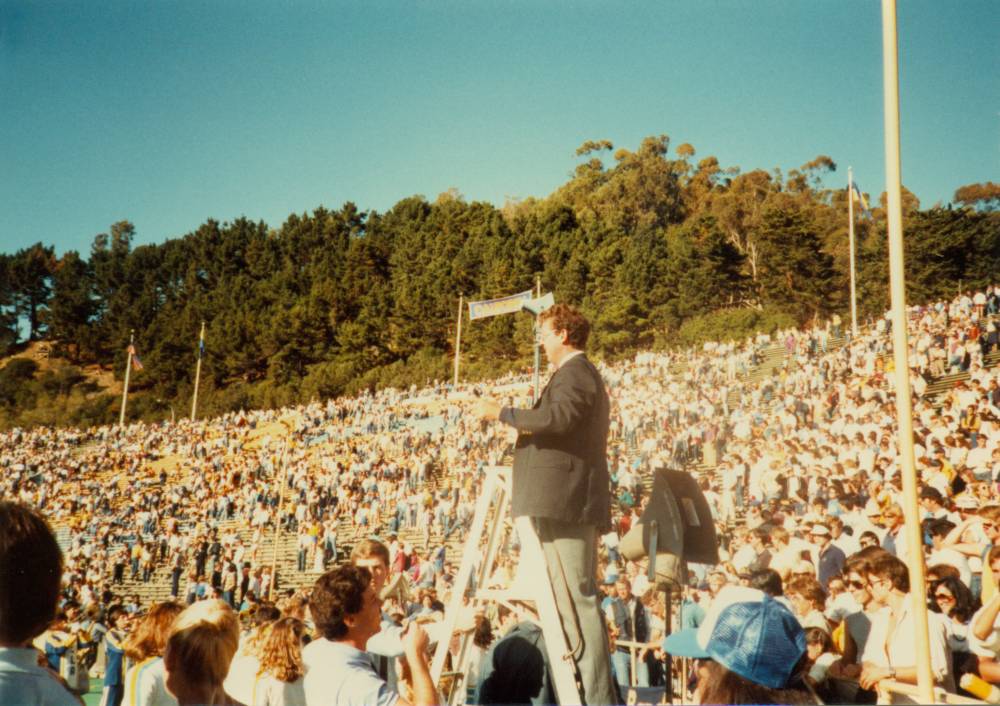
(900, 344)
(197, 373)
(850, 239)
(536, 382)
(128, 370)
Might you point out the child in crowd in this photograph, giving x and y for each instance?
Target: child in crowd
(202, 642)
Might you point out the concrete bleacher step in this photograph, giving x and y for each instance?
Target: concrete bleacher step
(158, 587)
(941, 386)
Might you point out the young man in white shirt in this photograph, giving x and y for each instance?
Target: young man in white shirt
(890, 652)
(348, 612)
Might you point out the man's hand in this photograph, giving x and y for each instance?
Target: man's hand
(423, 693)
(486, 408)
(872, 675)
(415, 643)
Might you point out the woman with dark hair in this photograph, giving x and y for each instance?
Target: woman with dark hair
(821, 653)
(482, 640)
(984, 635)
(719, 685)
(953, 600)
(750, 650)
(890, 651)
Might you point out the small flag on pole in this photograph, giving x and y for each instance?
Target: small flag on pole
(136, 363)
(201, 347)
(858, 197)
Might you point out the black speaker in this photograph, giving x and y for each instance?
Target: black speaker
(701, 545)
(683, 524)
(661, 521)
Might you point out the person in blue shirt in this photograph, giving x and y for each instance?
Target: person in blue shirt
(114, 648)
(57, 641)
(692, 612)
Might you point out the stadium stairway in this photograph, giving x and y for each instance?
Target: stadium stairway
(158, 587)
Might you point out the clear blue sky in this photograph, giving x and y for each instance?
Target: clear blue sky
(167, 113)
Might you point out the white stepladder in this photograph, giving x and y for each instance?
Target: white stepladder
(492, 509)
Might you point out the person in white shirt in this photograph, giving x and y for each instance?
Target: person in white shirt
(347, 613)
(890, 651)
(847, 543)
(984, 630)
(939, 530)
(978, 460)
(784, 557)
(610, 540)
(280, 678)
(744, 553)
(246, 662)
(932, 502)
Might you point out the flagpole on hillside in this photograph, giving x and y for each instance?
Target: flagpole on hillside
(850, 240)
(536, 387)
(197, 372)
(458, 338)
(897, 288)
(128, 370)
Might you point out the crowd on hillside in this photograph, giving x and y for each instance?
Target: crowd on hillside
(805, 461)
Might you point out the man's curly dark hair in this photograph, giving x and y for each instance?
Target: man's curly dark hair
(563, 317)
(337, 594)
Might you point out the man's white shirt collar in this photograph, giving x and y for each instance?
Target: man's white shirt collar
(568, 357)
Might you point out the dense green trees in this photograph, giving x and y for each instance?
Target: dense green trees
(8, 313)
(659, 249)
(29, 275)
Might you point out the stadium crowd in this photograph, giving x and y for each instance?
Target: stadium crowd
(800, 469)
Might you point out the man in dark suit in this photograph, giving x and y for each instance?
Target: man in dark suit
(561, 481)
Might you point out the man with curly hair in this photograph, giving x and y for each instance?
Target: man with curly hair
(561, 481)
(347, 611)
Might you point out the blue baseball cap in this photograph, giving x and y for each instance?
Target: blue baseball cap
(747, 632)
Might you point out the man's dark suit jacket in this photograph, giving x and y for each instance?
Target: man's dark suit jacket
(560, 461)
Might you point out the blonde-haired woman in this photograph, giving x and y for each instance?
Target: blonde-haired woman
(200, 648)
(145, 680)
(243, 670)
(279, 681)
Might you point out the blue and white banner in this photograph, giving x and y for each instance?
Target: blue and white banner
(495, 307)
